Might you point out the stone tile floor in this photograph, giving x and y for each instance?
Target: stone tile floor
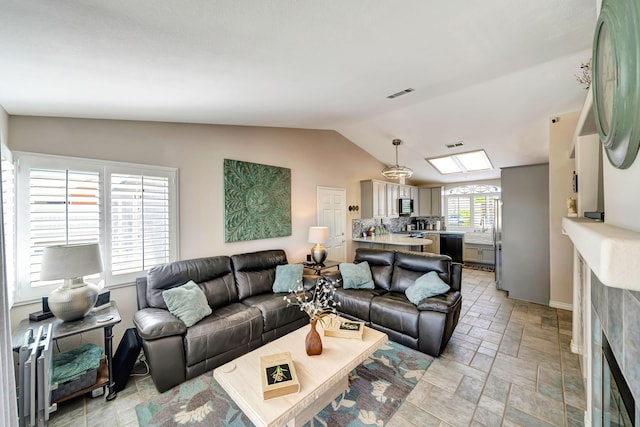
(508, 364)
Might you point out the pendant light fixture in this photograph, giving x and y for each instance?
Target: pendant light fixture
(396, 171)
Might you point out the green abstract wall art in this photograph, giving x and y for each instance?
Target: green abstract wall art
(257, 201)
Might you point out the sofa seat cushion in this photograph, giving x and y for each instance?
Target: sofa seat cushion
(228, 327)
(274, 310)
(356, 302)
(442, 303)
(395, 311)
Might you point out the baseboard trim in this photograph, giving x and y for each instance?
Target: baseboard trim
(561, 305)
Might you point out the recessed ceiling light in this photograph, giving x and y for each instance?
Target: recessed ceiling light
(472, 161)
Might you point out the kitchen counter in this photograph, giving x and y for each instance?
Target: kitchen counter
(429, 232)
(394, 239)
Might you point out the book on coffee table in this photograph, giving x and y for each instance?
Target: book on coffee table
(278, 375)
(344, 329)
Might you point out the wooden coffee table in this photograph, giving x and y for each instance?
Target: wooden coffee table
(322, 378)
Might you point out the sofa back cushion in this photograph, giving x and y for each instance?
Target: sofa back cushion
(213, 274)
(255, 272)
(411, 265)
(381, 263)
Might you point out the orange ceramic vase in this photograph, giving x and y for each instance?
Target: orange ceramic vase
(313, 341)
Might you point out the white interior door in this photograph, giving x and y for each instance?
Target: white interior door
(332, 213)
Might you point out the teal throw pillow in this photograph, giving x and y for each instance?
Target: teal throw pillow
(288, 277)
(187, 302)
(426, 286)
(356, 276)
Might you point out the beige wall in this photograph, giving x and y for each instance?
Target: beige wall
(4, 126)
(561, 168)
(315, 157)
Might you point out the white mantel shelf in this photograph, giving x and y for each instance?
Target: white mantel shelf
(612, 253)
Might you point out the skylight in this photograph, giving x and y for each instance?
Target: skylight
(471, 161)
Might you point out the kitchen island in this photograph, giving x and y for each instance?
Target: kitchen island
(394, 241)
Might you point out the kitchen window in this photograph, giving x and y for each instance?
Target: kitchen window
(130, 210)
(471, 207)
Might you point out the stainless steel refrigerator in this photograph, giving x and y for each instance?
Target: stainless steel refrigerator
(497, 241)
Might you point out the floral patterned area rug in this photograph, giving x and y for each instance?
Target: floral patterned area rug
(377, 389)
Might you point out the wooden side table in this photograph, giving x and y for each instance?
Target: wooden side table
(104, 319)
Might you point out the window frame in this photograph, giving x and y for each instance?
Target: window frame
(471, 195)
(25, 161)
(10, 234)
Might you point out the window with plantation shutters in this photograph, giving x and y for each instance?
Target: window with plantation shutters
(471, 206)
(130, 210)
(139, 222)
(64, 208)
(459, 211)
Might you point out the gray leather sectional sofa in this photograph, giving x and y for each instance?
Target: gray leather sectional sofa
(247, 314)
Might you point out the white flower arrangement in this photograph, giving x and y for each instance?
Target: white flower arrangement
(318, 303)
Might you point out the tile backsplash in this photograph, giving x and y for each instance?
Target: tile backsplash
(395, 225)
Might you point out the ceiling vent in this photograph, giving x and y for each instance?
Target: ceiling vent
(455, 144)
(402, 92)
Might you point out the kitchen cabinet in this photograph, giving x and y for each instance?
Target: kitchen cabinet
(373, 199)
(415, 195)
(430, 201)
(481, 254)
(379, 199)
(434, 247)
(393, 191)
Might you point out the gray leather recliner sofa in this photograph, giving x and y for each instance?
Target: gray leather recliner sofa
(246, 314)
(426, 327)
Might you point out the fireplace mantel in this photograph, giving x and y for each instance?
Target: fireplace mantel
(612, 253)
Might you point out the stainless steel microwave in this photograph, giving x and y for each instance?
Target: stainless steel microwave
(405, 207)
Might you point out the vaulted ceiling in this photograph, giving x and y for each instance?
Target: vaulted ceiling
(488, 73)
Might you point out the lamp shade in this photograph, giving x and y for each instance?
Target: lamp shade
(70, 261)
(318, 234)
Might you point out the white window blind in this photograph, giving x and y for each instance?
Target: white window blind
(130, 210)
(8, 213)
(459, 211)
(484, 212)
(140, 227)
(64, 208)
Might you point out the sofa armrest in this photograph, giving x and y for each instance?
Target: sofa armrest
(456, 276)
(154, 323)
(441, 303)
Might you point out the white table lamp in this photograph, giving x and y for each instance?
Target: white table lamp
(75, 297)
(318, 235)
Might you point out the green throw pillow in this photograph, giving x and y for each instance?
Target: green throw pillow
(426, 286)
(356, 276)
(187, 302)
(288, 277)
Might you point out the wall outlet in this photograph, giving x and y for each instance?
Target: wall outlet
(96, 392)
